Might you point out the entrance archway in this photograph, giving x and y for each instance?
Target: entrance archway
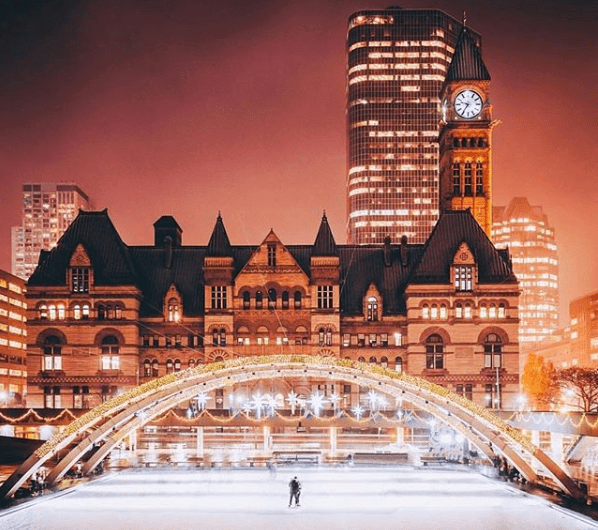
(108, 424)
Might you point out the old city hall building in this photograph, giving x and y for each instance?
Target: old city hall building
(105, 316)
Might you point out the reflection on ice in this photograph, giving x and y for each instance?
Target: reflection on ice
(356, 498)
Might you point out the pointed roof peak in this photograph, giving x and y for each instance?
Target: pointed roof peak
(467, 63)
(324, 244)
(219, 244)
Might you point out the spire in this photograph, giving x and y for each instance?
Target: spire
(324, 244)
(219, 244)
(467, 63)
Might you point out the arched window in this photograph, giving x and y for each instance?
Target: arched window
(110, 359)
(218, 359)
(443, 312)
(77, 312)
(101, 312)
(271, 298)
(434, 311)
(169, 366)
(85, 311)
(215, 336)
(147, 368)
(52, 312)
(222, 337)
(43, 312)
(384, 362)
(173, 310)
(492, 351)
(434, 352)
(467, 180)
(467, 312)
(297, 297)
(61, 311)
(177, 365)
(501, 311)
(456, 179)
(426, 311)
(398, 364)
(458, 310)
(285, 299)
(259, 300)
(246, 299)
(373, 360)
(52, 353)
(479, 179)
(483, 311)
(155, 368)
(263, 335)
(329, 337)
(372, 309)
(191, 363)
(492, 311)
(361, 359)
(321, 336)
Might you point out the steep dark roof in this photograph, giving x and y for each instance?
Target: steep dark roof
(452, 229)
(110, 257)
(390, 268)
(219, 244)
(467, 63)
(167, 221)
(324, 244)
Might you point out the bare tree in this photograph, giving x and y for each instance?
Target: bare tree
(583, 382)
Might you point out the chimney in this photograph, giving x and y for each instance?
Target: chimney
(168, 252)
(387, 252)
(404, 254)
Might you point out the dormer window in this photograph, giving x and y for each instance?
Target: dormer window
(463, 278)
(271, 254)
(173, 310)
(372, 309)
(80, 279)
(463, 269)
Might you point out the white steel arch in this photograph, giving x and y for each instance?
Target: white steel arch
(106, 425)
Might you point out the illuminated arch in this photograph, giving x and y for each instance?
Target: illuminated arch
(112, 421)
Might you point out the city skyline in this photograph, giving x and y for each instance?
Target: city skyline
(192, 110)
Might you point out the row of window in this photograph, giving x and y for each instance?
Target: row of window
(463, 184)
(463, 310)
(325, 298)
(109, 353)
(371, 339)
(80, 311)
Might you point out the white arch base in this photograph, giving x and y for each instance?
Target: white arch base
(106, 425)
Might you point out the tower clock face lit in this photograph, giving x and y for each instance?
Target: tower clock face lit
(468, 104)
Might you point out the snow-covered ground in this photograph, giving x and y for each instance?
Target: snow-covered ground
(332, 498)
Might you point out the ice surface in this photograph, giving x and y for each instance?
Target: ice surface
(332, 498)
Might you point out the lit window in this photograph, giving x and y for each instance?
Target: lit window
(483, 311)
(492, 311)
(372, 309)
(399, 364)
(110, 350)
(468, 313)
(398, 339)
(52, 353)
(434, 311)
(479, 179)
(80, 279)
(501, 311)
(43, 312)
(425, 311)
(173, 310)
(467, 187)
(443, 312)
(463, 278)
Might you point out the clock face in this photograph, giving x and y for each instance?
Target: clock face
(468, 104)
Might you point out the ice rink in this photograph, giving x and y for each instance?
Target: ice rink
(332, 498)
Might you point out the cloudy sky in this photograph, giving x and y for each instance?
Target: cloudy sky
(189, 107)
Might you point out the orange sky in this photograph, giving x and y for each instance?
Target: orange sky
(190, 107)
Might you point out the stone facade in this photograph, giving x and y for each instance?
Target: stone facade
(104, 316)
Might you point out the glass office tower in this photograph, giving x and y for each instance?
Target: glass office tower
(397, 60)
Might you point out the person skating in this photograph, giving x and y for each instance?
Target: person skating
(295, 491)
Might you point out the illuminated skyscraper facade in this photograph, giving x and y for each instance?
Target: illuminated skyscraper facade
(525, 230)
(397, 61)
(48, 210)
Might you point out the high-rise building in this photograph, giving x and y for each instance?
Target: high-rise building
(48, 210)
(397, 62)
(13, 341)
(526, 231)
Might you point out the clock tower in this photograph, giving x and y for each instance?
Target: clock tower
(465, 138)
